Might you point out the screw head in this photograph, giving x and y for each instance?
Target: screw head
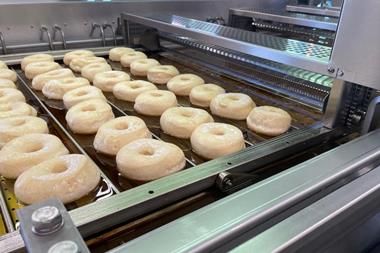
(331, 70)
(64, 247)
(46, 220)
(340, 73)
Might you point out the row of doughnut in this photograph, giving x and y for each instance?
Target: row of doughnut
(38, 161)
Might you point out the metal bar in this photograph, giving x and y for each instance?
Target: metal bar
(102, 35)
(105, 26)
(332, 12)
(5, 213)
(59, 29)
(3, 45)
(210, 227)
(43, 30)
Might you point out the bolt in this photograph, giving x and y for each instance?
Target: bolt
(46, 220)
(340, 73)
(331, 70)
(64, 246)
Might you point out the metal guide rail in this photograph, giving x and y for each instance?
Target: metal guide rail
(322, 11)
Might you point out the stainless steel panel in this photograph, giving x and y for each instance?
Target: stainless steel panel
(332, 12)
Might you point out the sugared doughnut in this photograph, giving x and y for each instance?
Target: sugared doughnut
(55, 89)
(5, 83)
(89, 71)
(155, 102)
(78, 63)
(116, 53)
(36, 68)
(232, 105)
(8, 74)
(68, 57)
(140, 67)
(81, 94)
(269, 120)
(161, 74)
(203, 94)
(107, 80)
(181, 121)
(182, 84)
(13, 127)
(87, 116)
(129, 90)
(116, 133)
(35, 58)
(127, 58)
(40, 80)
(9, 95)
(3, 65)
(16, 109)
(212, 140)
(67, 178)
(23, 152)
(149, 159)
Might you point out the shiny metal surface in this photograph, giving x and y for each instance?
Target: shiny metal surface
(95, 26)
(57, 28)
(208, 228)
(3, 44)
(44, 29)
(332, 12)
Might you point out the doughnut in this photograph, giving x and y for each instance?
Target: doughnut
(78, 63)
(155, 102)
(127, 58)
(55, 89)
(68, 57)
(107, 80)
(87, 116)
(3, 65)
(81, 94)
(129, 90)
(67, 177)
(9, 95)
(16, 109)
(35, 58)
(232, 105)
(181, 121)
(162, 74)
(212, 140)
(149, 159)
(116, 133)
(23, 152)
(5, 83)
(269, 120)
(182, 84)
(13, 127)
(140, 67)
(89, 71)
(116, 53)
(36, 68)
(40, 80)
(203, 94)
(8, 74)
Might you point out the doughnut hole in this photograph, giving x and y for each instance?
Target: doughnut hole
(135, 86)
(88, 108)
(59, 167)
(33, 147)
(82, 93)
(6, 108)
(146, 151)
(121, 126)
(185, 78)
(187, 114)
(18, 122)
(153, 94)
(233, 98)
(217, 131)
(1, 93)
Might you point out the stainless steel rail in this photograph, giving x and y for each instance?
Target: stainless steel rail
(57, 28)
(332, 12)
(45, 29)
(3, 45)
(102, 35)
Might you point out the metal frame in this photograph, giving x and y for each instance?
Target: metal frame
(332, 12)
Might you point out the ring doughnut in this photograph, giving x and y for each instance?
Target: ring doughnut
(13, 127)
(68, 57)
(16, 109)
(181, 121)
(269, 120)
(9, 95)
(81, 94)
(162, 74)
(155, 102)
(23, 152)
(35, 58)
(89, 71)
(116, 53)
(40, 80)
(3, 65)
(87, 116)
(36, 68)
(55, 89)
(129, 90)
(232, 105)
(140, 67)
(78, 63)
(127, 58)
(149, 159)
(5, 83)
(212, 140)
(182, 84)
(107, 80)
(203, 94)
(8, 74)
(116, 133)
(67, 177)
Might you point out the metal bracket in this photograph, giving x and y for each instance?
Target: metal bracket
(93, 28)
(105, 26)
(47, 227)
(44, 29)
(3, 45)
(231, 182)
(57, 28)
(372, 115)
